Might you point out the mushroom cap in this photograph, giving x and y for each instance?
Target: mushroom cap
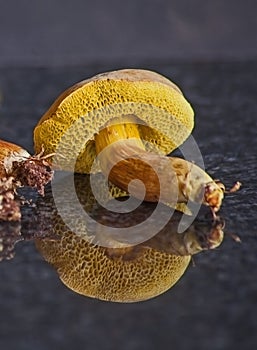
(9, 153)
(89, 270)
(165, 118)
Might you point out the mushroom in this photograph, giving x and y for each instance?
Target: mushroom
(19, 168)
(130, 119)
(127, 273)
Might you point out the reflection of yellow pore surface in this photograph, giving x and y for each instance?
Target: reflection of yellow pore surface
(89, 270)
(126, 274)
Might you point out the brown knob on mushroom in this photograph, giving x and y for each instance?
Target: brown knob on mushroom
(131, 119)
(124, 274)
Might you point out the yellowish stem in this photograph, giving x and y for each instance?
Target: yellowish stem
(119, 131)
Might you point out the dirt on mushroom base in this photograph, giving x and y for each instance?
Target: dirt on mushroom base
(18, 169)
(33, 172)
(25, 170)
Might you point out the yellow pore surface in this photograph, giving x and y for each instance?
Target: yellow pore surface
(89, 270)
(165, 118)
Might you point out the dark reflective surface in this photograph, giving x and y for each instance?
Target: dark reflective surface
(214, 306)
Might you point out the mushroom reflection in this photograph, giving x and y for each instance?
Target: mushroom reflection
(10, 234)
(115, 270)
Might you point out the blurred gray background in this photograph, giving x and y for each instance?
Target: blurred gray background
(62, 32)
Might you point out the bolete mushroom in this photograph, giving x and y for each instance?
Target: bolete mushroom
(124, 274)
(131, 119)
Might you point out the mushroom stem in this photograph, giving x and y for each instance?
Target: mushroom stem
(123, 158)
(119, 130)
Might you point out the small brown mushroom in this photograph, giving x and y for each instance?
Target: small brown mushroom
(24, 169)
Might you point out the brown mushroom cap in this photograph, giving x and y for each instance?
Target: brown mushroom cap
(165, 117)
(9, 153)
